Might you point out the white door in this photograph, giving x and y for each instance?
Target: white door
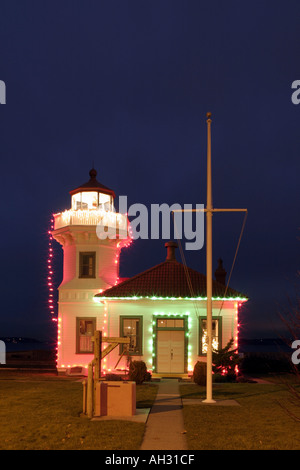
(170, 352)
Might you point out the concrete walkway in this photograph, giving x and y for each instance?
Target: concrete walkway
(164, 427)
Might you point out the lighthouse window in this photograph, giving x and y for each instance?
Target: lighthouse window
(92, 200)
(85, 332)
(87, 265)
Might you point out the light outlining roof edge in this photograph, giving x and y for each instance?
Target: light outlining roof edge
(230, 299)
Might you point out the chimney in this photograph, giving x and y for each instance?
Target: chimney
(171, 246)
(220, 272)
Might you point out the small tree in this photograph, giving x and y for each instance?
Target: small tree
(225, 361)
(291, 320)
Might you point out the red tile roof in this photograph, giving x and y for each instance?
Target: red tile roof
(168, 279)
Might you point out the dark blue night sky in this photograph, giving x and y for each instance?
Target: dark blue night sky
(126, 85)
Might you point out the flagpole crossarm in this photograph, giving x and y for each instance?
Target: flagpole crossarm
(189, 210)
(209, 210)
(229, 210)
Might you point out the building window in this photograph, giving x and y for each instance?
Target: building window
(216, 335)
(85, 332)
(170, 323)
(87, 265)
(131, 327)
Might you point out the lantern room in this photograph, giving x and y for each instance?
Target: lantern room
(92, 195)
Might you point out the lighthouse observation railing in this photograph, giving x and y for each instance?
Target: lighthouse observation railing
(91, 217)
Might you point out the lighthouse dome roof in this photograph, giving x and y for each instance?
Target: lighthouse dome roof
(93, 185)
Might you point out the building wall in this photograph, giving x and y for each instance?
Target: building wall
(107, 266)
(76, 303)
(148, 309)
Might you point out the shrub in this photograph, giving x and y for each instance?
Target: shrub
(148, 377)
(113, 377)
(199, 373)
(138, 372)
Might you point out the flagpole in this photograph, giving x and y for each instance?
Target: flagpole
(209, 213)
(209, 210)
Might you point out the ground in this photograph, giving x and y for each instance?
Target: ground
(266, 417)
(42, 411)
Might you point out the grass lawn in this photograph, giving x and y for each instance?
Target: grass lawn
(42, 412)
(261, 422)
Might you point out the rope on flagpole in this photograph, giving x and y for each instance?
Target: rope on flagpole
(234, 259)
(187, 274)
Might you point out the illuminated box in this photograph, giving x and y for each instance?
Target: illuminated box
(115, 398)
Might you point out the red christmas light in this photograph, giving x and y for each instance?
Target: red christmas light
(50, 276)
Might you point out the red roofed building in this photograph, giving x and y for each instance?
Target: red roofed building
(163, 311)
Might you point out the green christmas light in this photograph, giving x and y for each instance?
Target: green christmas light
(230, 299)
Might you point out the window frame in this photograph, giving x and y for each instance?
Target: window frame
(140, 333)
(200, 333)
(171, 328)
(81, 255)
(78, 320)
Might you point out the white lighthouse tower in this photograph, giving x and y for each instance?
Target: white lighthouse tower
(92, 235)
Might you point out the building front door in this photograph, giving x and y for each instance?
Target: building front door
(170, 352)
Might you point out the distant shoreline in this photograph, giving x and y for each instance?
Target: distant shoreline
(19, 344)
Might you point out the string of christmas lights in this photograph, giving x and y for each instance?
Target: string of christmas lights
(50, 273)
(118, 253)
(121, 244)
(50, 284)
(104, 332)
(237, 325)
(236, 339)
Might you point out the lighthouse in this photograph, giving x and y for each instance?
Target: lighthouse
(92, 235)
